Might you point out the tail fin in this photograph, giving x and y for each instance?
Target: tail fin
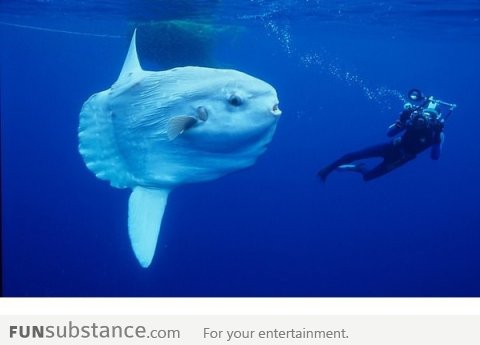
(145, 213)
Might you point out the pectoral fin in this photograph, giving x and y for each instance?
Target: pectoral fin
(145, 213)
(178, 124)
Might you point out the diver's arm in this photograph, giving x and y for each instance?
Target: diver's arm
(395, 128)
(399, 125)
(438, 138)
(437, 148)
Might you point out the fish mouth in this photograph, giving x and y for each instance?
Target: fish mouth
(276, 110)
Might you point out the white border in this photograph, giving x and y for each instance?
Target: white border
(239, 306)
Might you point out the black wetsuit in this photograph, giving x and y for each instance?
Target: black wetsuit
(416, 138)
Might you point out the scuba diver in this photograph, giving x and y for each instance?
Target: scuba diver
(422, 126)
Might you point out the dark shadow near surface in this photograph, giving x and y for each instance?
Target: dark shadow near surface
(172, 34)
(174, 43)
(142, 11)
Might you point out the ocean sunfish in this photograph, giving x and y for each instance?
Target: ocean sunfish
(153, 131)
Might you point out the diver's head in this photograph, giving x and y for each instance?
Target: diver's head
(415, 95)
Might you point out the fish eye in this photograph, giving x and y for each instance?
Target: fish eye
(235, 100)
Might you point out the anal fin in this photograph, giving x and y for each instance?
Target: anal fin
(145, 212)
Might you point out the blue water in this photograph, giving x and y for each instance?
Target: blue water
(341, 72)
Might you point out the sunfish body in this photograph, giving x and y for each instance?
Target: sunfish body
(153, 131)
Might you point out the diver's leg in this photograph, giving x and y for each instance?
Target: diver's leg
(392, 161)
(369, 152)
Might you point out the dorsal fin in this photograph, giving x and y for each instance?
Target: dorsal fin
(131, 64)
